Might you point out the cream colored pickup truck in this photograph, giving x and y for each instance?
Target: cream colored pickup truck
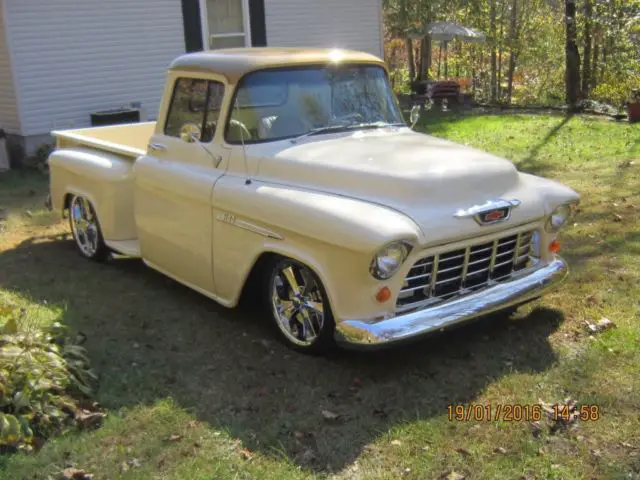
(295, 169)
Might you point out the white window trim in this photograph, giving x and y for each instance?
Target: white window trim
(204, 22)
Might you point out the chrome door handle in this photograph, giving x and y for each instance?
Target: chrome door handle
(157, 147)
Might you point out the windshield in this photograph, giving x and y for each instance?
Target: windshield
(289, 102)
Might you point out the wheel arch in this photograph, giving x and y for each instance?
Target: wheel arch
(270, 252)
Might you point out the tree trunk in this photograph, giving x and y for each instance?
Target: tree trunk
(446, 60)
(494, 59)
(586, 54)
(427, 56)
(512, 50)
(594, 64)
(500, 49)
(412, 67)
(572, 75)
(424, 60)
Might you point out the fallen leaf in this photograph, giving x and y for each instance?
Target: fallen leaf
(453, 475)
(173, 437)
(88, 419)
(500, 450)
(329, 416)
(626, 444)
(536, 429)
(246, 454)
(596, 453)
(605, 324)
(134, 463)
(28, 213)
(75, 474)
(601, 326)
(396, 443)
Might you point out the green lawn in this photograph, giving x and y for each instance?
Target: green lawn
(195, 391)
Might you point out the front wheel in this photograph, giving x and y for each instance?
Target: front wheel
(299, 306)
(86, 229)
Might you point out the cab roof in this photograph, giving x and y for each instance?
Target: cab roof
(233, 63)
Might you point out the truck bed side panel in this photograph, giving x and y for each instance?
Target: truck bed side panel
(104, 178)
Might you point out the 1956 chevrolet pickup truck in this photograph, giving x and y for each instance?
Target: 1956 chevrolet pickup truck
(294, 168)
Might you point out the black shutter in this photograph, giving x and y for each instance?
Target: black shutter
(192, 25)
(258, 23)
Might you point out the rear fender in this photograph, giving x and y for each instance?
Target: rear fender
(105, 179)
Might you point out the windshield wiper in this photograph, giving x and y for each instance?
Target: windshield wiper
(346, 126)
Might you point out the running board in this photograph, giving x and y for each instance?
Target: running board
(130, 248)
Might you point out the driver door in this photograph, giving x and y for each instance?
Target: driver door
(174, 184)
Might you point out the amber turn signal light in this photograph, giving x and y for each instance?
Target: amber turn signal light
(383, 295)
(554, 247)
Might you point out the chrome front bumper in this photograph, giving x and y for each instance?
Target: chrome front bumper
(372, 333)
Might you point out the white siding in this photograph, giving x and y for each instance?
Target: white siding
(9, 119)
(74, 57)
(349, 24)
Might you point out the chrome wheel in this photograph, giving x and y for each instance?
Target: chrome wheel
(298, 303)
(84, 225)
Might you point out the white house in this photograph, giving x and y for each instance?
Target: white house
(61, 60)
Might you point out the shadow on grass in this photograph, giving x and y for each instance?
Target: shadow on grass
(150, 338)
(531, 164)
(439, 123)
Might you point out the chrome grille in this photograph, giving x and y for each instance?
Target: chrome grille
(439, 277)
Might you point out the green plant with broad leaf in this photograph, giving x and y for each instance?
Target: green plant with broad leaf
(44, 377)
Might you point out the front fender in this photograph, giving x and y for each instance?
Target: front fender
(335, 236)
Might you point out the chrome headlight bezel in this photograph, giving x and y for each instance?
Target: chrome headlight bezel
(560, 216)
(387, 261)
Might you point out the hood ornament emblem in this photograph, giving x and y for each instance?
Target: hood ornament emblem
(490, 212)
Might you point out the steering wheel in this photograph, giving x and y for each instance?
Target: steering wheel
(246, 135)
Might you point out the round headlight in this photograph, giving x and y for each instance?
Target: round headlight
(389, 259)
(559, 217)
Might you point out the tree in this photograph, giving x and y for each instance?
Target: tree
(572, 73)
(513, 34)
(494, 58)
(586, 66)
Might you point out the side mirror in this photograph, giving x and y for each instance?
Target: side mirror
(415, 115)
(190, 133)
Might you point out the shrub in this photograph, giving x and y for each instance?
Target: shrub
(44, 380)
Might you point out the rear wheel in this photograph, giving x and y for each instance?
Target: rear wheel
(86, 229)
(299, 306)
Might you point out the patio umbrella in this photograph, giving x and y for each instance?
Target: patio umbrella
(444, 32)
(448, 31)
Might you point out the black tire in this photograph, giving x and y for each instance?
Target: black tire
(101, 252)
(324, 341)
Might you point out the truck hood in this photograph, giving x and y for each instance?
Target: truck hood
(424, 177)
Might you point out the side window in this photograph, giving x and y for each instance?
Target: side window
(190, 96)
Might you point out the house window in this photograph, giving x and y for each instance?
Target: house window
(226, 23)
